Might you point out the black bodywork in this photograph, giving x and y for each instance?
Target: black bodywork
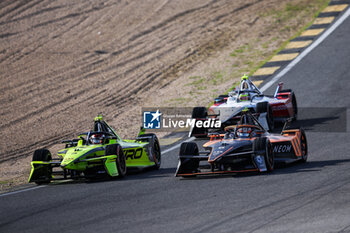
(231, 153)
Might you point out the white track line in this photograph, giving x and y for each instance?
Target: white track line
(22, 190)
(264, 88)
(307, 50)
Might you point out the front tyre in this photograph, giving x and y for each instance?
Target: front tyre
(44, 173)
(116, 149)
(154, 149)
(303, 145)
(263, 146)
(269, 157)
(188, 165)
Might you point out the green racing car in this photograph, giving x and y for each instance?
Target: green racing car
(99, 152)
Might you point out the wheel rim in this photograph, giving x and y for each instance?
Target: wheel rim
(270, 119)
(295, 108)
(270, 157)
(121, 160)
(157, 152)
(303, 146)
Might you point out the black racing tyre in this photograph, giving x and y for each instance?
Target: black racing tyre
(155, 148)
(264, 107)
(269, 156)
(223, 96)
(295, 107)
(270, 119)
(263, 144)
(261, 107)
(42, 155)
(202, 113)
(116, 149)
(199, 112)
(303, 145)
(44, 172)
(188, 165)
(259, 144)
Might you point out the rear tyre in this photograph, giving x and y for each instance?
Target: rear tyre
(199, 113)
(155, 148)
(270, 119)
(261, 107)
(264, 107)
(45, 172)
(303, 145)
(187, 166)
(295, 107)
(223, 96)
(116, 149)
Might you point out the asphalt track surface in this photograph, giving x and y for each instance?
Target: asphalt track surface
(311, 197)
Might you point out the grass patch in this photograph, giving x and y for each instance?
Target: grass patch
(291, 8)
(240, 50)
(217, 78)
(197, 80)
(179, 100)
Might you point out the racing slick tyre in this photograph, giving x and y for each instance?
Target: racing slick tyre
(45, 172)
(199, 113)
(263, 144)
(116, 149)
(295, 107)
(223, 96)
(303, 145)
(155, 148)
(186, 165)
(294, 103)
(264, 107)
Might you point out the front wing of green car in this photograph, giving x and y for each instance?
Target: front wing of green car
(43, 171)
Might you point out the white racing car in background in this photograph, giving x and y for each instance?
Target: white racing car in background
(227, 108)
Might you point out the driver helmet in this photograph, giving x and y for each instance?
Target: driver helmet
(243, 97)
(97, 138)
(244, 132)
(244, 85)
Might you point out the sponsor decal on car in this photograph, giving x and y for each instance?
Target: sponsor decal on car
(133, 153)
(282, 148)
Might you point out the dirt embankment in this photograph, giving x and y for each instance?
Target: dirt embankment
(62, 62)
